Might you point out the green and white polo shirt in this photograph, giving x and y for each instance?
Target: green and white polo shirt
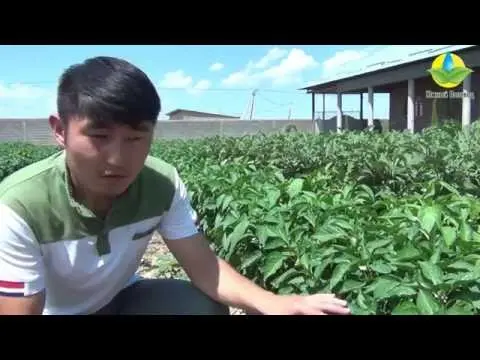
(50, 242)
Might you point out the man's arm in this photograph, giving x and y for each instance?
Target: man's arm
(222, 282)
(22, 305)
(216, 277)
(21, 268)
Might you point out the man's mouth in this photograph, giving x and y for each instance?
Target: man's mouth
(109, 174)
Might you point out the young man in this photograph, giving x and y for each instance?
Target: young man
(75, 225)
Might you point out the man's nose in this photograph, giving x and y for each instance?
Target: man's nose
(116, 153)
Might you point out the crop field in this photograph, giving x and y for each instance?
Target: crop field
(390, 222)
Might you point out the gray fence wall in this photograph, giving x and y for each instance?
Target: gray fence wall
(38, 131)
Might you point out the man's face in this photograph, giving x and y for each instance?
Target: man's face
(104, 159)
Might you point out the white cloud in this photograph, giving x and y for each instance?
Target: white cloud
(176, 79)
(272, 55)
(180, 80)
(199, 87)
(19, 100)
(239, 78)
(287, 71)
(23, 91)
(334, 63)
(216, 66)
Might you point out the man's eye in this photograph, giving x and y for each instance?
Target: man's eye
(135, 138)
(98, 136)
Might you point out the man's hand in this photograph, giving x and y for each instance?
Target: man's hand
(318, 304)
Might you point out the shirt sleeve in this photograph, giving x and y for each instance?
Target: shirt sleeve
(180, 220)
(21, 262)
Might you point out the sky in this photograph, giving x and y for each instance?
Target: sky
(218, 79)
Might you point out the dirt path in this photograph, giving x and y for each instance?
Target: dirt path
(159, 263)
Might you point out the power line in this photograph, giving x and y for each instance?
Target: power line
(34, 83)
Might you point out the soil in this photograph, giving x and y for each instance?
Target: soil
(149, 267)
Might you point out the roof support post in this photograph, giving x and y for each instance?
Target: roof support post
(314, 120)
(467, 101)
(370, 107)
(361, 110)
(339, 112)
(410, 105)
(323, 107)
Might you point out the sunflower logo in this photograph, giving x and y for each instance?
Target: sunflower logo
(448, 70)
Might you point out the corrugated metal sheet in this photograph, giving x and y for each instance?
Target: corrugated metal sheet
(387, 57)
(12, 130)
(38, 132)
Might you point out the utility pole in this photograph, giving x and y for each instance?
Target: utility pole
(253, 103)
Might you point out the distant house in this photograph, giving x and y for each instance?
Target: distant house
(416, 101)
(183, 114)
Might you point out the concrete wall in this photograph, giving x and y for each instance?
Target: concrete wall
(348, 123)
(38, 130)
(190, 129)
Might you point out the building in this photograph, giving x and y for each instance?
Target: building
(183, 114)
(415, 98)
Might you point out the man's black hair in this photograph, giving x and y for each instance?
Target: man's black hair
(107, 90)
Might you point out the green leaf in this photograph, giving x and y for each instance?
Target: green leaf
(325, 237)
(237, 234)
(350, 285)
(373, 245)
(274, 243)
(449, 234)
(458, 74)
(226, 202)
(338, 274)
(357, 310)
(462, 265)
(310, 217)
(402, 291)
(262, 233)
(272, 196)
(368, 191)
(339, 223)
(286, 290)
(432, 272)
(405, 308)
(466, 232)
(408, 253)
(251, 259)
(283, 277)
(383, 287)
(429, 217)
(295, 188)
(381, 267)
(362, 301)
(297, 280)
(273, 262)
(458, 309)
(426, 303)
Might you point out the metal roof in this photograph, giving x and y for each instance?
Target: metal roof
(196, 112)
(386, 57)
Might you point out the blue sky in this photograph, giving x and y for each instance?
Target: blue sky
(204, 78)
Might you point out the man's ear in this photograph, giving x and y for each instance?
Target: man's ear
(58, 129)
